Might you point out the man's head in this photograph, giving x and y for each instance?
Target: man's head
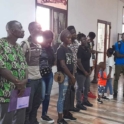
(72, 30)
(15, 29)
(65, 37)
(123, 36)
(91, 35)
(47, 38)
(102, 65)
(34, 29)
(82, 38)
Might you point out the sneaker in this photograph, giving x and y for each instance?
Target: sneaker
(115, 94)
(69, 117)
(99, 101)
(80, 106)
(75, 109)
(47, 119)
(110, 97)
(91, 95)
(87, 103)
(105, 98)
(61, 121)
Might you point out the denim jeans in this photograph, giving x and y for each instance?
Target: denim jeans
(109, 85)
(62, 92)
(46, 87)
(34, 102)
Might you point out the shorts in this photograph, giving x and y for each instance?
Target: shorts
(101, 90)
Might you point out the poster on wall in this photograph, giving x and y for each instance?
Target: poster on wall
(61, 4)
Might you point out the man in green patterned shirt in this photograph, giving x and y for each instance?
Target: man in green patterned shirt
(12, 73)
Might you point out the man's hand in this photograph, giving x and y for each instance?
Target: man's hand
(20, 85)
(86, 73)
(109, 76)
(72, 81)
(21, 92)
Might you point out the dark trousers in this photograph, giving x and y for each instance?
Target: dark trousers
(118, 69)
(83, 82)
(35, 101)
(14, 117)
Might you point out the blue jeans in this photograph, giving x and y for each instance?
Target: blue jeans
(62, 92)
(46, 85)
(109, 85)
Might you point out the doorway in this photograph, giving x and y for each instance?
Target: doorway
(103, 39)
(43, 17)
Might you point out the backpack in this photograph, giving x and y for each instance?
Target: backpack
(28, 48)
(44, 66)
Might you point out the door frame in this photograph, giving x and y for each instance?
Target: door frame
(106, 23)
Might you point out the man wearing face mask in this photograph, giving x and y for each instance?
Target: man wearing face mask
(12, 73)
(32, 51)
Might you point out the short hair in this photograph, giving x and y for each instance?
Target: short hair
(92, 35)
(64, 34)
(10, 24)
(31, 25)
(80, 35)
(70, 28)
(110, 51)
(47, 34)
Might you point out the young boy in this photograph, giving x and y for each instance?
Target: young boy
(102, 81)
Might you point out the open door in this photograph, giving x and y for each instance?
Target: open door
(103, 39)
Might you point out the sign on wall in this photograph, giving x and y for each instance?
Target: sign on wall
(61, 4)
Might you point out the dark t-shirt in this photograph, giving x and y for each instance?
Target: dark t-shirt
(84, 54)
(64, 54)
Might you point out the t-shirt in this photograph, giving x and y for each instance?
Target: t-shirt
(101, 81)
(119, 61)
(11, 58)
(33, 63)
(91, 46)
(64, 53)
(110, 62)
(74, 47)
(85, 55)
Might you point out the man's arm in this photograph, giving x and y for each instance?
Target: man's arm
(67, 72)
(8, 75)
(81, 66)
(118, 55)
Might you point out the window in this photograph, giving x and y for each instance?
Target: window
(43, 17)
(123, 21)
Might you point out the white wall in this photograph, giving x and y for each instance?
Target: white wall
(83, 14)
(20, 10)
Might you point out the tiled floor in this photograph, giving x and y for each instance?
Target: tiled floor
(111, 112)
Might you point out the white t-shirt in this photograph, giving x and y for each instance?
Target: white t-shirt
(91, 62)
(110, 62)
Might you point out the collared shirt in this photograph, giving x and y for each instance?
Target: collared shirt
(33, 63)
(11, 58)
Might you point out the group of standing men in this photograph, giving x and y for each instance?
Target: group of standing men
(19, 67)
